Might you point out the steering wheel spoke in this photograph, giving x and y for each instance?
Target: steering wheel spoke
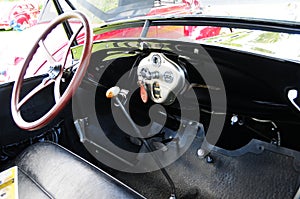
(69, 45)
(46, 82)
(49, 57)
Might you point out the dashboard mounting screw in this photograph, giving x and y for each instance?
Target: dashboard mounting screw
(209, 159)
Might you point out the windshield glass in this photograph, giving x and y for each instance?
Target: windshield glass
(110, 10)
(284, 10)
(104, 11)
(269, 43)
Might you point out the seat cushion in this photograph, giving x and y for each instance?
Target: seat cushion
(47, 170)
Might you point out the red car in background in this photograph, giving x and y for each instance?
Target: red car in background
(19, 15)
(167, 7)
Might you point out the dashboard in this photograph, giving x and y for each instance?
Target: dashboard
(253, 85)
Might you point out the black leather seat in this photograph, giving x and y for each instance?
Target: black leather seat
(47, 170)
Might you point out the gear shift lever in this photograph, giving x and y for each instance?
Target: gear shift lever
(113, 93)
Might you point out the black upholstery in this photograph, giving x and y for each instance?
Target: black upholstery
(47, 170)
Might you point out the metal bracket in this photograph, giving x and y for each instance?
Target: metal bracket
(80, 128)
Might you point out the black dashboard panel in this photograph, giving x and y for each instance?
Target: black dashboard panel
(252, 85)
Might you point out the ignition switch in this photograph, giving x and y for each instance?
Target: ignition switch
(156, 90)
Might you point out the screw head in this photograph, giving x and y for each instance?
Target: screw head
(201, 153)
(209, 159)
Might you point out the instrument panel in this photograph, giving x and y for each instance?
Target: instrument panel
(160, 77)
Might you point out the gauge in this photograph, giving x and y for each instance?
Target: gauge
(156, 60)
(168, 77)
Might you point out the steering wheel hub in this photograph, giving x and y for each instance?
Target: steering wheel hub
(54, 71)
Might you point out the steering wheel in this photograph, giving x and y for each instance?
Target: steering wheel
(55, 72)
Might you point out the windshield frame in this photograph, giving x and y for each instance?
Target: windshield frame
(227, 22)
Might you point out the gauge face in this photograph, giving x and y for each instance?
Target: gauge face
(156, 60)
(168, 77)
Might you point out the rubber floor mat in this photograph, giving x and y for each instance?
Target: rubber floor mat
(258, 170)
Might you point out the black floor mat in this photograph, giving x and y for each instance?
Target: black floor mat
(259, 170)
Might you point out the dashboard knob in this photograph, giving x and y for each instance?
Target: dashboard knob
(168, 77)
(145, 73)
(112, 92)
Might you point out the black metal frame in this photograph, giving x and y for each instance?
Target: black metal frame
(66, 24)
(202, 20)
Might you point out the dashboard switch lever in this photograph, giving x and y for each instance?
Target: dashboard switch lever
(156, 90)
(143, 93)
